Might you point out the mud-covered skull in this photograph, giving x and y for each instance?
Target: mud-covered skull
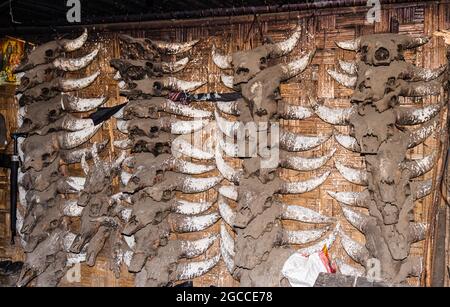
(152, 87)
(39, 151)
(137, 69)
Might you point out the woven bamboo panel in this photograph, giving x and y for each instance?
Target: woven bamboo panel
(320, 30)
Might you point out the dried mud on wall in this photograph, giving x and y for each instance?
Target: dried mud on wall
(320, 32)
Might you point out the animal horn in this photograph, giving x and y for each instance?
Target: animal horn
(189, 168)
(421, 189)
(189, 208)
(285, 47)
(184, 224)
(72, 45)
(343, 79)
(305, 164)
(296, 113)
(415, 42)
(228, 81)
(421, 166)
(75, 64)
(221, 61)
(193, 249)
(354, 199)
(172, 107)
(413, 116)
(227, 214)
(420, 135)
(303, 236)
(350, 68)
(183, 86)
(328, 242)
(70, 140)
(294, 68)
(417, 232)
(229, 191)
(175, 67)
(173, 48)
(355, 250)
(294, 142)
(191, 185)
(227, 171)
(228, 107)
(358, 220)
(338, 117)
(348, 142)
(356, 176)
(351, 45)
(71, 85)
(187, 127)
(304, 186)
(76, 104)
(304, 215)
(192, 270)
(424, 74)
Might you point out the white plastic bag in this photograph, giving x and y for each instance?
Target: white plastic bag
(302, 271)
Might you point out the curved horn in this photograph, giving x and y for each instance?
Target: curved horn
(356, 176)
(424, 74)
(294, 68)
(187, 127)
(304, 186)
(173, 48)
(72, 45)
(333, 116)
(356, 251)
(351, 45)
(74, 156)
(70, 140)
(296, 113)
(349, 270)
(421, 166)
(76, 104)
(343, 79)
(350, 68)
(422, 189)
(303, 236)
(72, 123)
(417, 232)
(306, 164)
(285, 47)
(358, 220)
(228, 81)
(189, 168)
(328, 242)
(413, 116)
(195, 269)
(421, 89)
(183, 86)
(182, 147)
(304, 215)
(125, 177)
(183, 224)
(172, 107)
(229, 128)
(189, 208)
(221, 61)
(348, 142)
(420, 135)
(354, 199)
(295, 142)
(122, 126)
(192, 185)
(193, 249)
(227, 171)
(75, 64)
(228, 107)
(227, 214)
(229, 191)
(71, 85)
(175, 67)
(123, 144)
(228, 241)
(85, 165)
(415, 42)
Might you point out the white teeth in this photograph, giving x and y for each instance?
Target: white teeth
(354, 199)
(358, 220)
(125, 178)
(192, 249)
(228, 81)
(71, 209)
(422, 166)
(182, 147)
(294, 68)
(296, 113)
(123, 144)
(356, 251)
(414, 116)
(229, 192)
(183, 224)
(418, 231)
(221, 61)
(227, 171)
(187, 127)
(184, 110)
(306, 164)
(303, 237)
(353, 175)
(227, 240)
(174, 48)
(285, 47)
(304, 186)
(175, 66)
(192, 185)
(349, 67)
(304, 215)
(328, 242)
(351, 45)
(294, 142)
(189, 168)
(195, 269)
(184, 86)
(72, 45)
(343, 79)
(227, 214)
(190, 208)
(68, 85)
(229, 128)
(349, 270)
(348, 142)
(337, 117)
(75, 64)
(419, 136)
(228, 107)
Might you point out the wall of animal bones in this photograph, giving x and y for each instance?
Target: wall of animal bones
(320, 32)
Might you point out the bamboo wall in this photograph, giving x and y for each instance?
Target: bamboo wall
(321, 28)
